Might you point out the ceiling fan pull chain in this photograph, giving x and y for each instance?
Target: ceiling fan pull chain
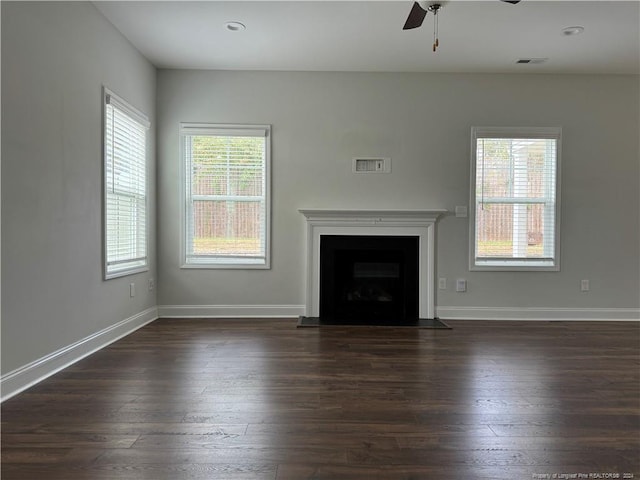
(435, 29)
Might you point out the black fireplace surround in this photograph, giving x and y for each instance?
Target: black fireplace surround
(368, 278)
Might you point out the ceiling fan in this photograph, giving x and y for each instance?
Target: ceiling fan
(419, 11)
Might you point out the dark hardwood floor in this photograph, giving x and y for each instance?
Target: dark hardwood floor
(260, 399)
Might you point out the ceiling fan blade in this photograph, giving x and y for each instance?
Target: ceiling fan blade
(416, 17)
(512, 2)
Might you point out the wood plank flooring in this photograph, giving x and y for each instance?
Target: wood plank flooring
(260, 399)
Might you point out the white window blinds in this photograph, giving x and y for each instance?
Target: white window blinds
(125, 187)
(515, 189)
(226, 184)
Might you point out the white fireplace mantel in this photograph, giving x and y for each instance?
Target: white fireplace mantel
(413, 217)
(418, 223)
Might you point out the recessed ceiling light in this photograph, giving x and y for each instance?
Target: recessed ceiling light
(568, 31)
(234, 26)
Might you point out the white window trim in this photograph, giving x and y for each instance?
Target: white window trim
(520, 265)
(108, 97)
(228, 263)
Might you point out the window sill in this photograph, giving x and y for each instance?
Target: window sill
(231, 264)
(514, 266)
(124, 273)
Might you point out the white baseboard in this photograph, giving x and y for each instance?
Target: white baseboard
(230, 311)
(28, 375)
(445, 312)
(537, 313)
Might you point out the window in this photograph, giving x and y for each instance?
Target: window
(515, 221)
(226, 215)
(125, 188)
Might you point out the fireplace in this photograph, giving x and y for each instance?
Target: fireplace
(418, 225)
(368, 278)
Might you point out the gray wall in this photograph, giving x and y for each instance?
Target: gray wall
(55, 58)
(321, 120)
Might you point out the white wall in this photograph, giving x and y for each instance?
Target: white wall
(55, 59)
(321, 120)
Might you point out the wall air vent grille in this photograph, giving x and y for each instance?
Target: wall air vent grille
(371, 165)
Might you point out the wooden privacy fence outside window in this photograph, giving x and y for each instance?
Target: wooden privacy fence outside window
(226, 182)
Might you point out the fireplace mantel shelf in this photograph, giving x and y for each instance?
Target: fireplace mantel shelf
(371, 216)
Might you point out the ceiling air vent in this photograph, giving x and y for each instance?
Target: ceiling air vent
(532, 60)
(371, 165)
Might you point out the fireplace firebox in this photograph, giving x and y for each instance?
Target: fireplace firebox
(369, 278)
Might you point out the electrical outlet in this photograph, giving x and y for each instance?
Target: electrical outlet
(132, 290)
(584, 285)
(461, 285)
(152, 284)
(442, 283)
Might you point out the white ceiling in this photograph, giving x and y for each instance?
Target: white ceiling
(475, 36)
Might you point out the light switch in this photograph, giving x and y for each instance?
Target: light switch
(461, 211)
